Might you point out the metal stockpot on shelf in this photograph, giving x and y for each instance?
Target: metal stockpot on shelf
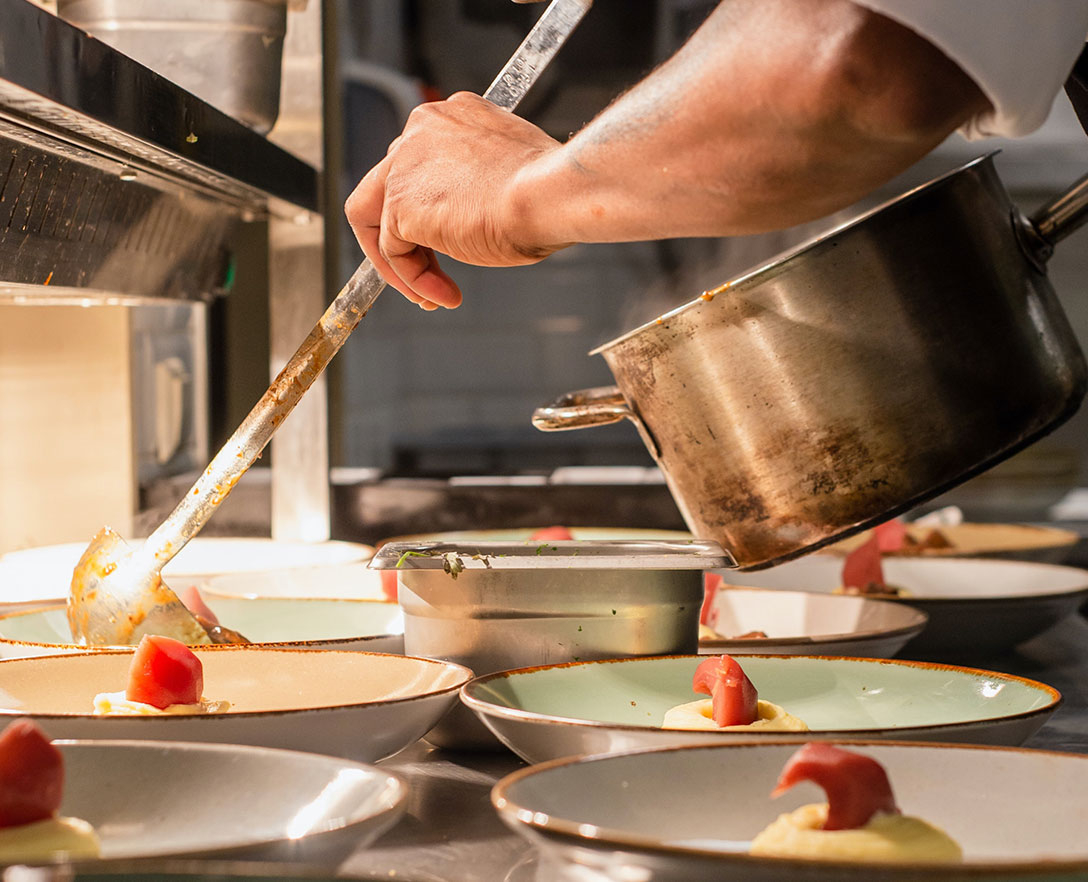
(857, 376)
(228, 52)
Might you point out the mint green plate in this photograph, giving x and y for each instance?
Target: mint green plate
(617, 705)
(372, 625)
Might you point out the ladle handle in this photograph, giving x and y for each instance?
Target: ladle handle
(341, 318)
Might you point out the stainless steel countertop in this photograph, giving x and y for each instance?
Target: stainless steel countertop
(451, 833)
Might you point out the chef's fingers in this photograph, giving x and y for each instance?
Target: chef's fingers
(364, 212)
(418, 268)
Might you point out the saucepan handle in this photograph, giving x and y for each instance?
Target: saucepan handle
(586, 407)
(1068, 211)
(1062, 215)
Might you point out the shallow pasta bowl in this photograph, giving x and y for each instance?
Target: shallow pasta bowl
(975, 605)
(804, 623)
(154, 800)
(689, 814)
(373, 625)
(357, 705)
(618, 705)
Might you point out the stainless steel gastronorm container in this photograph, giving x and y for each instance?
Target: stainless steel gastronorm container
(857, 376)
(493, 606)
(227, 52)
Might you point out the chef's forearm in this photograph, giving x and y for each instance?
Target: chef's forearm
(774, 113)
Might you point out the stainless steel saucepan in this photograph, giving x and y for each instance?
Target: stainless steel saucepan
(857, 376)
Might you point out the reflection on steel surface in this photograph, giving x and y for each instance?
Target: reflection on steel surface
(71, 225)
(56, 78)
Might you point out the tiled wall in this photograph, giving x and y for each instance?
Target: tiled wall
(471, 377)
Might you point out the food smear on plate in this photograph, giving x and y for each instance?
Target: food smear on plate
(165, 677)
(31, 785)
(734, 703)
(706, 633)
(860, 820)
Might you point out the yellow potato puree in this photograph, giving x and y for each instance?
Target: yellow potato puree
(886, 837)
(115, 704)
(44, 840)
(699, 714)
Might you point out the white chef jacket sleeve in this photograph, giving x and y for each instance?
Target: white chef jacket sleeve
(1019, 52)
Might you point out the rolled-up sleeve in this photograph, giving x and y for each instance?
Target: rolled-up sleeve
(1019, 52)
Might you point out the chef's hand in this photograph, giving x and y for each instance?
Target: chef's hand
(448, 184)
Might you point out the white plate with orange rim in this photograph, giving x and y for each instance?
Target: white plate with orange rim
(615, 705)
(153, 800)
(688, 814)
(43, 575)
(976, 606)
(371, 625)
(803, 623)
(358, 705)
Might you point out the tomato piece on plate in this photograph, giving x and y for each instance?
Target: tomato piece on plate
(711, 583)
(862, 566)
(164, 671)
(734, 697)
(551, 534)
(892, 535)
(390, 586)
(857, 786)
(31, 775)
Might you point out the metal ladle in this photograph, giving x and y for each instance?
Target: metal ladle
(117, 594)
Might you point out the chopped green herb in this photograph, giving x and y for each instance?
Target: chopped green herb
(408, 554)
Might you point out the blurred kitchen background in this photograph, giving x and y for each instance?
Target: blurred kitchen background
(427, 423)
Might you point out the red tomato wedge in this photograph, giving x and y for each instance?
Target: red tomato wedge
(891, 535)
(735, 700)
(164, 671)
(857, 786)
(31, 775)
(862, 565)
(389, 585)
(551, 534)
(711, 583)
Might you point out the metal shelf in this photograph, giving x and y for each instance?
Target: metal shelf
(114, 179)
